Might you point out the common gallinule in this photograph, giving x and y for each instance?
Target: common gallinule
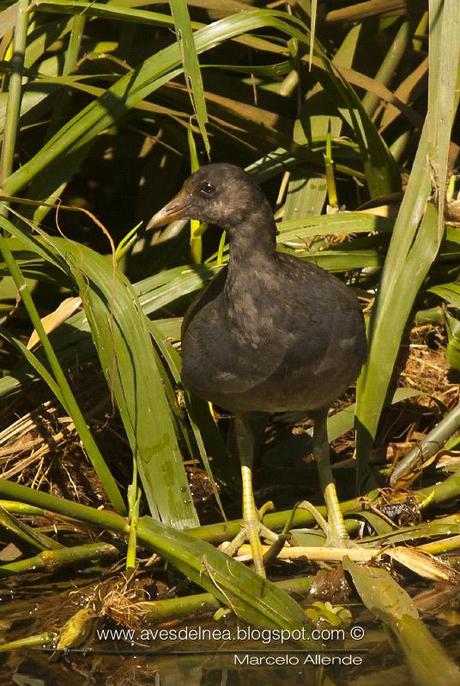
(270, 333)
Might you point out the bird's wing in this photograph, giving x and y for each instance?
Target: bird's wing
(208, 293)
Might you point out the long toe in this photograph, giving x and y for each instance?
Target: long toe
(252, 530)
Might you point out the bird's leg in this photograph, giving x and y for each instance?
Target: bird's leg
(252, 527)
(337, 535)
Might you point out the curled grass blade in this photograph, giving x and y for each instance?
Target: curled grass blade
(121, 336)
(59, 380)
(133, 87)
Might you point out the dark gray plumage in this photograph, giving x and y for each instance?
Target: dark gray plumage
(268, 334)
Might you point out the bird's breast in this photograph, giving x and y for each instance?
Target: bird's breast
(250, 348)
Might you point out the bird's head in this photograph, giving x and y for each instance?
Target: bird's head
(221, 194)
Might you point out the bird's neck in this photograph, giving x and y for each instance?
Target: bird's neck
(253, 240)
(251, 275)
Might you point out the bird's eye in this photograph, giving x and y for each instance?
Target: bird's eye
(207, 188)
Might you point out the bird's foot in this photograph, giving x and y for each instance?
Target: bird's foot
(252, 530)
(334, 529)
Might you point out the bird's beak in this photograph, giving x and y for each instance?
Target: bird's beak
(177, 208)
